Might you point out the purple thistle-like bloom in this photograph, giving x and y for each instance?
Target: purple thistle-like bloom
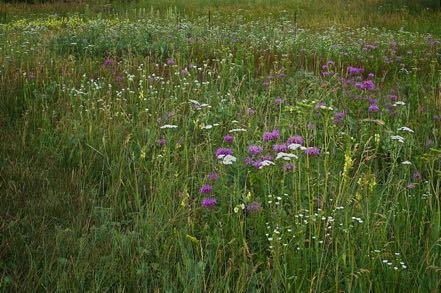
(339, 117)
(229, 138)
(162, 142)
(257, 164)
(371, 75)
(417, 175)
(170, 62)
(268, 136)
(288, 167)
(278, 101)
(255, 149)
(312, 151)
(209, 202)
(108, 62)
(355, 70)
(223, 152)
(248, 161)
(373, 108)
(296, 139)
(206, 188)
(368, 85)
(268, 158)
(213, 176)
(280, 147)
(253, 207)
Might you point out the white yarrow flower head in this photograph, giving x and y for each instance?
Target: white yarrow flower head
(406, 129)
(286, 156)
(228, 159)
(168, 126)
(406, 163)
(266, 163)
(296, 146)
(399, 103)
(398, 138)
(238, 130)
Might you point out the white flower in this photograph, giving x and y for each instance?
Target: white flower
(406, 163)
(238, 130)
(228, 159)
(207, 126)
(399, 103)
(397, 138)
(266, 163)
(286, 156)
(296, 146)
(406, 129)
(168, 126)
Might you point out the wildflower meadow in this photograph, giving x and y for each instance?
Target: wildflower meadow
(220, 146)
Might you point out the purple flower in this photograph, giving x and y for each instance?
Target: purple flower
(170, 62)
(373, 108)
(339, 117)
(280, 147)
(297, 139)
(213, 176)
(248, 161)
(223, 152)
(229, 138)
(288, 167)
(162, 142)
(206, 188)
(255, 149)
(257, 164)
(417, 175)
(184, 72)
(108, 62)
(312, 151)
(268, 136)
(371, 75)
(278, 101)
(365, 85)
(267, 158)
(253, 207)
(209, 202)
(355, 70)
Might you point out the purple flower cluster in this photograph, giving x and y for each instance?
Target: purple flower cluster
(297, 139)
(206, 188)
(223, 152)
(355, 70)
(368, 85)
(273, 135)
(228, 138)
(209, 202)
(312, 152)
(253, 207)
(255, 149)
(280, 147)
